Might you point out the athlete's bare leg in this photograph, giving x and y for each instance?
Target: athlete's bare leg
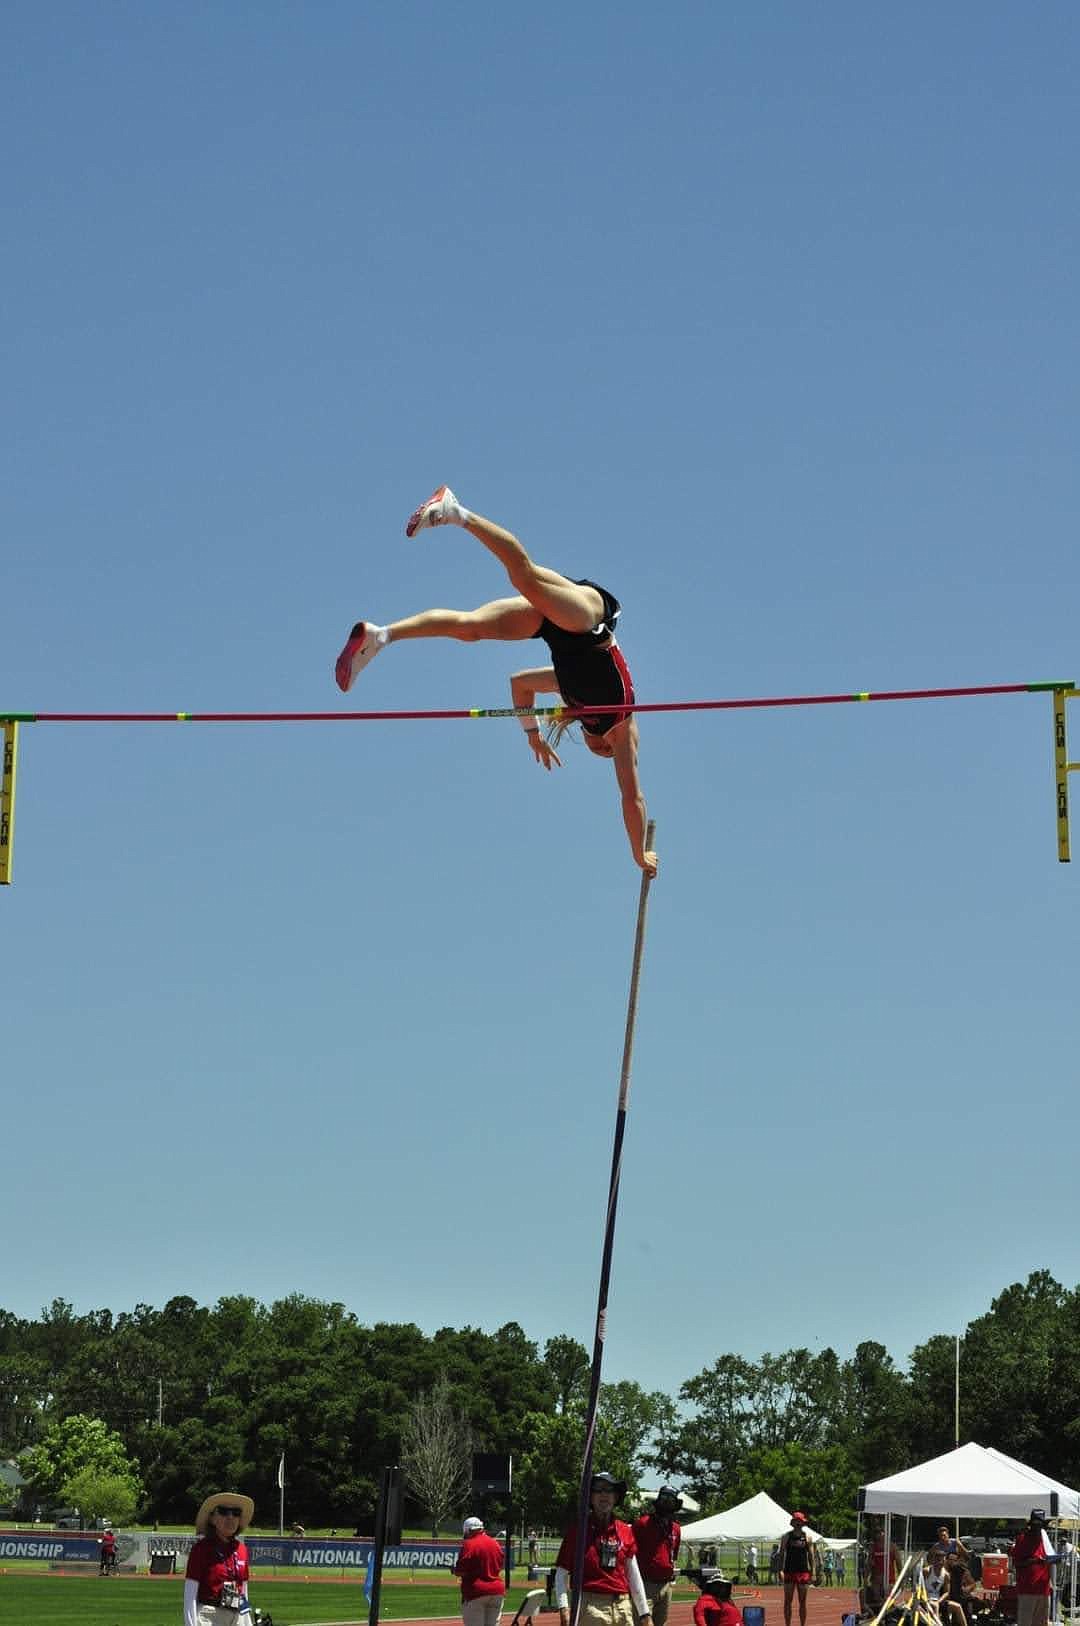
(505, 619)
(568, 605)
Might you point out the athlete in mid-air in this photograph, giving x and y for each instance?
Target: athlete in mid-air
(576, 619)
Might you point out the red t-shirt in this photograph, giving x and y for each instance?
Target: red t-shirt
(479, 1564)
(709, 1611)
(210, 1564)
(658, 1546)
(1029, 1561)
(108, 1541)
(596, 1577)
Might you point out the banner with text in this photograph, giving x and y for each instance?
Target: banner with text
(59, 1547)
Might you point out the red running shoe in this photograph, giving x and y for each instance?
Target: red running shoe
(362, 646)
(441, 508)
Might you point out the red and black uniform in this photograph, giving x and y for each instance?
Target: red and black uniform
(589, 666)
(1029, 1556)
(608, 1550)
(108, 1550)
(480, 1567)
(795, 1556)
(212, 1563)
(710, 1611)
(877, 1562)
(658, 1542)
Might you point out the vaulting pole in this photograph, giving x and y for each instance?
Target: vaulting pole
(609, 1238)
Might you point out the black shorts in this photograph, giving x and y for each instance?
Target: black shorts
(590, 668)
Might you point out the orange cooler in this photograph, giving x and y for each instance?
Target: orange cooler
(995, 1570)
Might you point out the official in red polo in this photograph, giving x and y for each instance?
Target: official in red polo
(1032, 1554)
(480, 1569)
(107, 1543)
(658, 1537)
(612, 1590)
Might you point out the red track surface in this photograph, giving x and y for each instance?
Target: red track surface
(825, 1606)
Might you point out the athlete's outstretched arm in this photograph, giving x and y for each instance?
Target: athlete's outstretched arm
(624, 754)
(524, 688)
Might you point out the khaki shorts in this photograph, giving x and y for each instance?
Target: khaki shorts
(483, 1611)
(606, 1609)
(659, 1596)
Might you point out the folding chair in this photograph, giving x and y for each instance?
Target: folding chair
(530, 1605)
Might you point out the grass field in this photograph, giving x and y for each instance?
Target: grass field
(62, 1600)
(58, 1600)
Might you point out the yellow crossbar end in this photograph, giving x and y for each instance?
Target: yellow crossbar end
(1062, 767)
(7, 801)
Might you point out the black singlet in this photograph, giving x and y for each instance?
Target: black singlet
(796, 1554)
(589, 666)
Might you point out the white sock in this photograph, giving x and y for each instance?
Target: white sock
(381, 635)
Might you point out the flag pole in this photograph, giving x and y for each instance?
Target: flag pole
(281, 1495)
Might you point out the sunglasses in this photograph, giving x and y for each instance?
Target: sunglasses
(230, 1512)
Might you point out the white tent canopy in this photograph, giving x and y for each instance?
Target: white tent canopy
(974, 1480)
(758, 1519)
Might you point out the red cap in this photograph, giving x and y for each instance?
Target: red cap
(801, 1518)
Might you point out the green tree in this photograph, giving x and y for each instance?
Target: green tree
(821, 1480)
(876, 1421)
(101, 1496)
(1063, 1401)
(634, 1420)
(932, 1377)
(548, 1473)
(23, 1395)
(1008, 1361)
(568, 1367)
(70, 1446)
(708, 1448)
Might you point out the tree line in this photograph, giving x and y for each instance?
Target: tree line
(192, 1398)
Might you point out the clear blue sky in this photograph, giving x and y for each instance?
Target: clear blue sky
(763, 315)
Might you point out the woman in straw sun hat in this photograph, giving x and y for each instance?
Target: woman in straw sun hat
(216, 1580)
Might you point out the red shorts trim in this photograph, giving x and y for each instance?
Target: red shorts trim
(620, 693)
(801, 1577)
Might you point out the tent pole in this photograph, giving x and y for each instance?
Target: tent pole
(956, 1414)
